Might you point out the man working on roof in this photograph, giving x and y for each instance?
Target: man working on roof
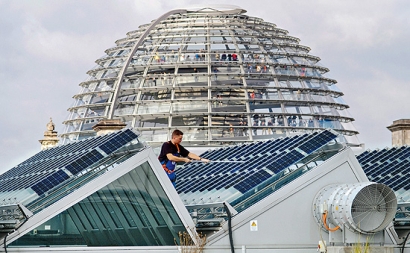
(172, 152)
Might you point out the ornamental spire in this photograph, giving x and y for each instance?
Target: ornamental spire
(50, 136)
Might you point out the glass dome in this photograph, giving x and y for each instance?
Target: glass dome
(220, 76)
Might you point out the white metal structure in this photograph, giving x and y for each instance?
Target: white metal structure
(220, 76)
(110, 193)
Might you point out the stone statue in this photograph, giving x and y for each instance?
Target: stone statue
(50, 125)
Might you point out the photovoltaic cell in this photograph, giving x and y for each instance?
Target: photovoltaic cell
(387, 166)
(43, 171)
(261, 162)
(49, 182)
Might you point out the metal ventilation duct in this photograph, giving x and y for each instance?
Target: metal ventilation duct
(363, 207)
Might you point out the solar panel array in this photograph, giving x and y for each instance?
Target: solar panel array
(51, 167)
(388, 166)
(248, 165)
(276, 182)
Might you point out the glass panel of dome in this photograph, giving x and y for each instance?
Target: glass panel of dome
(159, 136)
(128, 110)
(335, 124)
(255, 83)
(81, 112)
(295, 84)
(94, 112)
(282, 59)
(311, 72)
(195, 47)
(158, 107)
(338, 100)
(197, 37)
(171, 56)
(88, 124)
(232, 105)
(188, 121)
(193, 134)
(126, 84)
(334, 88)
(284, 70)
(218, 134)
(292, 109)
(229, 69)
(129, 98)
(189, 107)
(90, 87)
(78, 102)
(307, 122)
(150, 81)
(314, 84)
(328, 110)
(218, 47)
(242, 47)
(219, 78)
(102, 86)
(197, 80)
(303, 109)
(100, 98)
(318, 98)
(216, 39)
(302, 121)
(160, 94)
(160, 122)
(149, 121)
(69, 127)
(287, 94)
(141, 59)
(273, 107)
(192, 94)
(344, 113)
(348, 126)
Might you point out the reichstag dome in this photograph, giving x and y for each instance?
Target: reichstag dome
(220, 76)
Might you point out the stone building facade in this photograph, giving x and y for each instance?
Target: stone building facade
(400, 132)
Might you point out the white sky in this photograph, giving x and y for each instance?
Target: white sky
(46, 48)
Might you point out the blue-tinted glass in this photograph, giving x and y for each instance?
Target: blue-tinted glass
(136, 214)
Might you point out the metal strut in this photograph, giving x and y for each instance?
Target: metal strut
(117, 85)
(198, 161)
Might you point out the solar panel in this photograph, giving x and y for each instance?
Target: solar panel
(263, 161)
(388, 166)
(49, 182)
(49, 167)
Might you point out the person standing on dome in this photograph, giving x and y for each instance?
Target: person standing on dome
(172, 152)
(216, 70)
(234, 57)
(196, 74)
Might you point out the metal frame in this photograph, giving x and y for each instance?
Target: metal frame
(133, 66)
(101, 181)
(285, 218)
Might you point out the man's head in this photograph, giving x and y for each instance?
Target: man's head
(177, 136)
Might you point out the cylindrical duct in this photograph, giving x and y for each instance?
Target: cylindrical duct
(363, 207)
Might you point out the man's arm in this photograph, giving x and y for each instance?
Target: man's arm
(196, 157)
(173, 158)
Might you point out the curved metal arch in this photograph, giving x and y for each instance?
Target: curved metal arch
(134, 49)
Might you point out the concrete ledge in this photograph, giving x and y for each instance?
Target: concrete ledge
(108, 126)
